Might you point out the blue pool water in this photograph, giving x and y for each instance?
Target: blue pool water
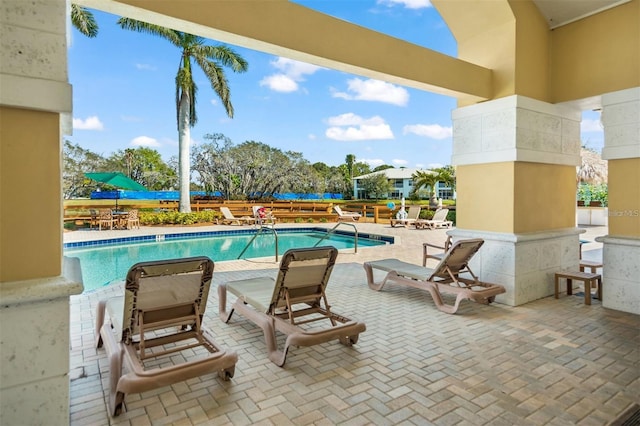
(106, 261)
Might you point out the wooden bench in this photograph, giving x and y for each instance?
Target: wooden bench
(590, 280)
(591, 264)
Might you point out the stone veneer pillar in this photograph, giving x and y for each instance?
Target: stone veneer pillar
(35, 101)
(621, 247)
(516, 160)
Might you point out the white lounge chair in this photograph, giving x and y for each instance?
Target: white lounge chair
(412, 215)
(353, 216)
(439, 220)
(230, 219)
(263, 216)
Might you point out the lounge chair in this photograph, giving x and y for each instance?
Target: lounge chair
(263, 216)
(439, 220)
(291, 303)
(445, 278)
(353, 216)
(156, 323)
(230, 219)
(412, 215)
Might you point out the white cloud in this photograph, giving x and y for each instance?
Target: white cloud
(312, 137)
(589, 125)
(352, 127)
(214, 101)
(292, 73)
(409, 4)
(434, 166)
(374, 162)
(144, 141)
(146, 67)
(91, 123)
(374, 90)
(432, 131)
(279, 83)
(399, 162)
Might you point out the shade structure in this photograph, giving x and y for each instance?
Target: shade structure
(116, 179)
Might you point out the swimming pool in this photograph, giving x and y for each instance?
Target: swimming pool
(106, 261)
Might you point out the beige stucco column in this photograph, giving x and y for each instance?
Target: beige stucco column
(35, 285)
(516, 161)
(621, 252)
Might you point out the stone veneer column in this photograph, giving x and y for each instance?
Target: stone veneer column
(516, 159)
(34, 285)
(621, 253)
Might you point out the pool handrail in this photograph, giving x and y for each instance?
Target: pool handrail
(262, 227)
(355, 238)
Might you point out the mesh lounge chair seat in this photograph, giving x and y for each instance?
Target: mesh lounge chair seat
(158, 323)
(444, 278)
(412, 215)
(294, 303)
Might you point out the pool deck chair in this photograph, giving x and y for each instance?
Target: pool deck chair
(439, 220)
(293, 304)
(445, 278)
(353, 216)
(155, 329)
(230, 219)
(412, 216)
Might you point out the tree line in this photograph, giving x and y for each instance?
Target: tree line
(245, 171)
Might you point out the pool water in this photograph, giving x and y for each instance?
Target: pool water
(107, 261)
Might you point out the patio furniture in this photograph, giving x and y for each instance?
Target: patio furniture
(106, 219)
(230, 219)
(155, 329)
(590, 281)
(294, 303)
(445, 278)
(263, 216)
(439, 255)
(352, 216)
(412, 215)
(439, 220)
(132, 219)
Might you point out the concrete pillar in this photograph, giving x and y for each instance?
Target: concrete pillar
(621, 247)
(35, 101)
(516, 161)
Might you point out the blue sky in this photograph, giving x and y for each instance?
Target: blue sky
(123, 96)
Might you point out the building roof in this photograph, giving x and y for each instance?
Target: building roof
(400, 173)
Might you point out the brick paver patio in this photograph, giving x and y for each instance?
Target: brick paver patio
(556, 362)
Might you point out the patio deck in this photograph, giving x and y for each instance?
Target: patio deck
(555, 362)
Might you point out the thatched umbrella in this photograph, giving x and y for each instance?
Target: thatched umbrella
(593, 170)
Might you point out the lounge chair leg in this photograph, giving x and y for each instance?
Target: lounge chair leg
(227, 373)
(222, 304)
(99, 322)
(349, 340)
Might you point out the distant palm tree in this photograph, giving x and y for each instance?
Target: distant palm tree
(430, 178)
(211, 60)
(83, 21)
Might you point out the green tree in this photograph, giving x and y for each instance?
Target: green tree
(145, 166)
(82, 20)
(212, 60)
(350, 160)
(376, 186)
(77, 161)
(383, 167)
(430, 178)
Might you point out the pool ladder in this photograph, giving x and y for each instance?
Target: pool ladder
(332, 230)
(262, 228)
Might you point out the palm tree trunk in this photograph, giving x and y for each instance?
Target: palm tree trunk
(184, 160)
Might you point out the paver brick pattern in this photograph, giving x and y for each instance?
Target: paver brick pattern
(552, 362)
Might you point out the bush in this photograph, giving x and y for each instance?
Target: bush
(177, 218)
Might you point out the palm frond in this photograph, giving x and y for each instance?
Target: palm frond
(143, 27)
(83, 21)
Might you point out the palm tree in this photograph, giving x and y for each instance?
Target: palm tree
(83, 21)
(593, 170)
(211, 60)
(430, 178)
